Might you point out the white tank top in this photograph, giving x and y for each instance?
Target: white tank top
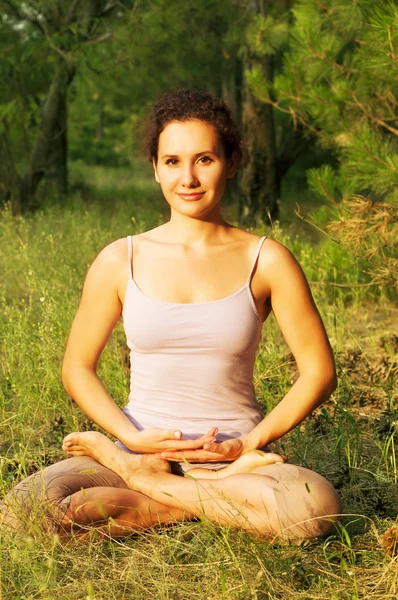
(192, 364)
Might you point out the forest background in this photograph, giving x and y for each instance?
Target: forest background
(314, 85)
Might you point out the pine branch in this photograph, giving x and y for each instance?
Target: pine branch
(392, 50)
(328, 195)
(326, 233)
(347, 70)
(313, 129)
(346, 35)
(371, 117)
(389, 102)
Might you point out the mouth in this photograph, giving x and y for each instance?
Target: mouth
(191, 197)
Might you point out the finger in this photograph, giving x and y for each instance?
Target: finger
(211, 433)
(209, 436)
(172, 434)
(214, 447)
(196, 456)
(182, 444)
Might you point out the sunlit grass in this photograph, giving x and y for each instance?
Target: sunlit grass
(351, 439)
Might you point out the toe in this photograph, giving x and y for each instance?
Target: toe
(68, 439)
(73, 448)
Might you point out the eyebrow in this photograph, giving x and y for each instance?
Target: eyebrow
(195, 155)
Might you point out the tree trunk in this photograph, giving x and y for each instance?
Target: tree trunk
(50, 147)
(260, 183)
(60, 148)
(231, 85)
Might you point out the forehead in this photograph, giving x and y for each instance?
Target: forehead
(188, 137)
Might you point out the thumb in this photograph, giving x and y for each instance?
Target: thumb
(174, 434)
(213, 447)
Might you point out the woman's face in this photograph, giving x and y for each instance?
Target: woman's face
(191, 168)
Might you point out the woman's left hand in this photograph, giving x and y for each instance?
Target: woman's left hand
(211, 452)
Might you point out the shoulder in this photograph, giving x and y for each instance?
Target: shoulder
(111, 264)
(113, 255)
(273, 254)
(278, 265)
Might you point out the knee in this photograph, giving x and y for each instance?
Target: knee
(34, 505)
(324, 497)
(7, 518)
(329, 508)
(307, 509)
(321, 509)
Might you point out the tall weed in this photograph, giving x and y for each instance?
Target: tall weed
(351, 439)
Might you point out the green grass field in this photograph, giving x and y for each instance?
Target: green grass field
(351, 439)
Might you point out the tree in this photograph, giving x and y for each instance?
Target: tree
(339, 81)
(57, 32)
(159, 46)
(260, 184)
(98, 64)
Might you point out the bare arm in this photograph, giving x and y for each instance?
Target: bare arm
(303, 330)
(98, 313)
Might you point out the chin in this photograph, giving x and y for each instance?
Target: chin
(195, 209)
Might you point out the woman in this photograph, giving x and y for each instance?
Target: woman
(193, 294)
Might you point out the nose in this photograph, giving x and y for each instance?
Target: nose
(189, 178)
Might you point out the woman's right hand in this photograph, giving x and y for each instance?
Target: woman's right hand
(155, 439)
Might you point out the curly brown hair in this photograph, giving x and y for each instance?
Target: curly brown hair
(186, 104)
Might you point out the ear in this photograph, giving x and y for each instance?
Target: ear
(155, 168)
(232, 166)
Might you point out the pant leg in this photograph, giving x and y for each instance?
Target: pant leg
(307, 505)
(41, 501)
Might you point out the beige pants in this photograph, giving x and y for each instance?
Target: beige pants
(89, 493)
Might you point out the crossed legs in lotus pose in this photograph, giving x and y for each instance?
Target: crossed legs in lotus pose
(122, 492)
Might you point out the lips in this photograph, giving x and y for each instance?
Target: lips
(191, 197)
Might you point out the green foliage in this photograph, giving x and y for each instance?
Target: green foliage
(43, 43)
(265, 35)
(118, 56)
(339, 82)
(159, 46)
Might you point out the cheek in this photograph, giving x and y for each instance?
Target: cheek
(167, 179)
(219, 179)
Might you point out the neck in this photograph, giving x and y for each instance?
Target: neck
(193, 231)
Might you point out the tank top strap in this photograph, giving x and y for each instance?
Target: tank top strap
(256, 254)
(130, 253)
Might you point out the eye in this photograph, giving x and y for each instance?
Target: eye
(171, 161)
(205, 160)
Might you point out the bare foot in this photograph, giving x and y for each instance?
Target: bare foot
(104, 451)
(244, 464)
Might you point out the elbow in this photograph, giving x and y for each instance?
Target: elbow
(71, 372)
(74, 371)
(323, 382)
(66, 377)
(333, 384)
(330, 382)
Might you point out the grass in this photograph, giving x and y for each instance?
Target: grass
(351, 439)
